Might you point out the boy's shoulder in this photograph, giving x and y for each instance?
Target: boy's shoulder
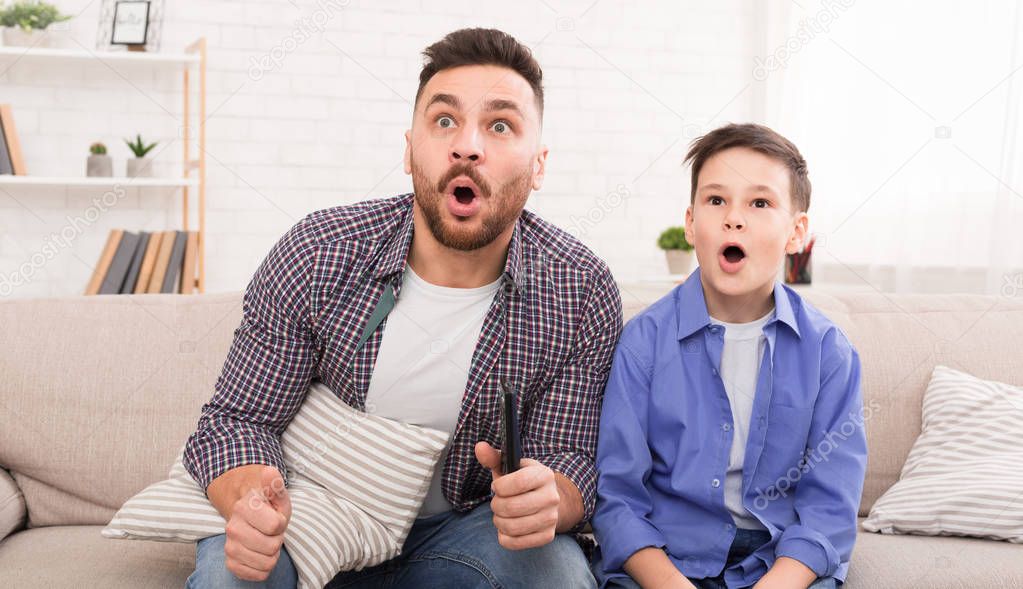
(815, 327)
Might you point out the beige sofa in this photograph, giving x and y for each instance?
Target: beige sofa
(98, 393)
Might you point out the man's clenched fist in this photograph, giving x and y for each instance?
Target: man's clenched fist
(255, 531)
(525, 502)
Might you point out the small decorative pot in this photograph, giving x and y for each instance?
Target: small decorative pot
(679, 261)
(19, 37)
(99, 165)
(139, 167)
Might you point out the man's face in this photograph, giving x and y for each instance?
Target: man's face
(474, 153)
(741, 222)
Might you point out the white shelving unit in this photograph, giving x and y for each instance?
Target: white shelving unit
(194, 172)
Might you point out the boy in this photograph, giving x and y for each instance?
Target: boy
(731, 449)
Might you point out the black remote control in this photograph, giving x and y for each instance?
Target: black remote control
(511, 450)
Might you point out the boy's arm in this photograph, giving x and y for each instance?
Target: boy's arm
(624, 463)
(651, 568)
(827, 496)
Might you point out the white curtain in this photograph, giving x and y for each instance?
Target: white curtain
(908, 114)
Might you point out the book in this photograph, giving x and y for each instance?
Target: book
(188, 269)
(173, 276)
(128, 286)
(104, 261)
(162, 259)
(11, 139)
(148, 262)
(5, 155)
(118, 269)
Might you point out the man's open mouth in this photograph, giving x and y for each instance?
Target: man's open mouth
(464, 194)
(733, 253)
(464, 189)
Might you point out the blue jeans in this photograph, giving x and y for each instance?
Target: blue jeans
(447, 550)
(746, 543)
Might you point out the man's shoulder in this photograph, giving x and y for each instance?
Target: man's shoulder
(541, 238)
(370, 220)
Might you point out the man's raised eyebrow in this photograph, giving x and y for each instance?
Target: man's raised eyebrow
(503, 104)
(448, 99)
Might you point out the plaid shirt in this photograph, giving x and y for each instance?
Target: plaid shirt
(550, 331)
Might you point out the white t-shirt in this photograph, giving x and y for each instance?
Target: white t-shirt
(423, 363)
(740, 366)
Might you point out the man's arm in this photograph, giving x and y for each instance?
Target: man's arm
(264, 379)
(561, 430)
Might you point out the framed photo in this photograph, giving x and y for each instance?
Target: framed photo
(131, 22)
(130, 25)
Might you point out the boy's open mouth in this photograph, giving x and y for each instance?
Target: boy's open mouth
(733, 253)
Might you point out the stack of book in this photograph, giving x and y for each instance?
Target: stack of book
(144, 262)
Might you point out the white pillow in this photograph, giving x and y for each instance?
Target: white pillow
(964, 475)
(356, 483)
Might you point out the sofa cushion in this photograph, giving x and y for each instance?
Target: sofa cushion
(964, 474)
(77, 556)
(935, 562)
(103, 391)
(356, 483)
(12, 505)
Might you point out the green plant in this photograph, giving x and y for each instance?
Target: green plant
(139, 148)
(674, 238)
(30, 14)
(98, 149)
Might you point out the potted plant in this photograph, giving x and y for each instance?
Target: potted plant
(25, 22)
(99, 163)
(677, 250)
(139, 166)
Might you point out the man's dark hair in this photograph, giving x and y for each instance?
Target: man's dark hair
(762, 140)
(482, 47)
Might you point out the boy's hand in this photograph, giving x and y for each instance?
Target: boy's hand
(525, 502)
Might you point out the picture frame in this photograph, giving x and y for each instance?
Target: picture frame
(130, 25)
(131, 22)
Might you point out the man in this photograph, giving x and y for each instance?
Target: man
(485, 292)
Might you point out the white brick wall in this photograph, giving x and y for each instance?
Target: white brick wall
(627, 87)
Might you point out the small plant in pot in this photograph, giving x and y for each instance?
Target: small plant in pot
(25, 22)
(99, 163)
(140, 165)
(677, 250)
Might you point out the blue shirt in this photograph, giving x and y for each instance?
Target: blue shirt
(666, 432)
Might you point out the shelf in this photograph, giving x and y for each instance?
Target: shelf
(8, 180)
(76, 55)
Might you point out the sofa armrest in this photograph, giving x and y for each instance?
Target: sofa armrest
(12, 505)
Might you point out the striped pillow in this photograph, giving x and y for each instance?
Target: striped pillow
(356, 483)
(964, 475)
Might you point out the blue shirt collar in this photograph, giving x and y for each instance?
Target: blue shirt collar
(691, 307)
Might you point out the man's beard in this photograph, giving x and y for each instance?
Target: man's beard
(504, 210)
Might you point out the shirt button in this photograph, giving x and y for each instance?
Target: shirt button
(727, 427)
(714, 371)
(715, 483)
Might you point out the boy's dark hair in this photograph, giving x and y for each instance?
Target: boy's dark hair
(482, 47)
(760, 139)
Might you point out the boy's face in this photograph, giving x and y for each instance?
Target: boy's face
(742, 222)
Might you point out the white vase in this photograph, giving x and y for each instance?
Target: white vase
(18, 37)
(139, 167)
(679, 261)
